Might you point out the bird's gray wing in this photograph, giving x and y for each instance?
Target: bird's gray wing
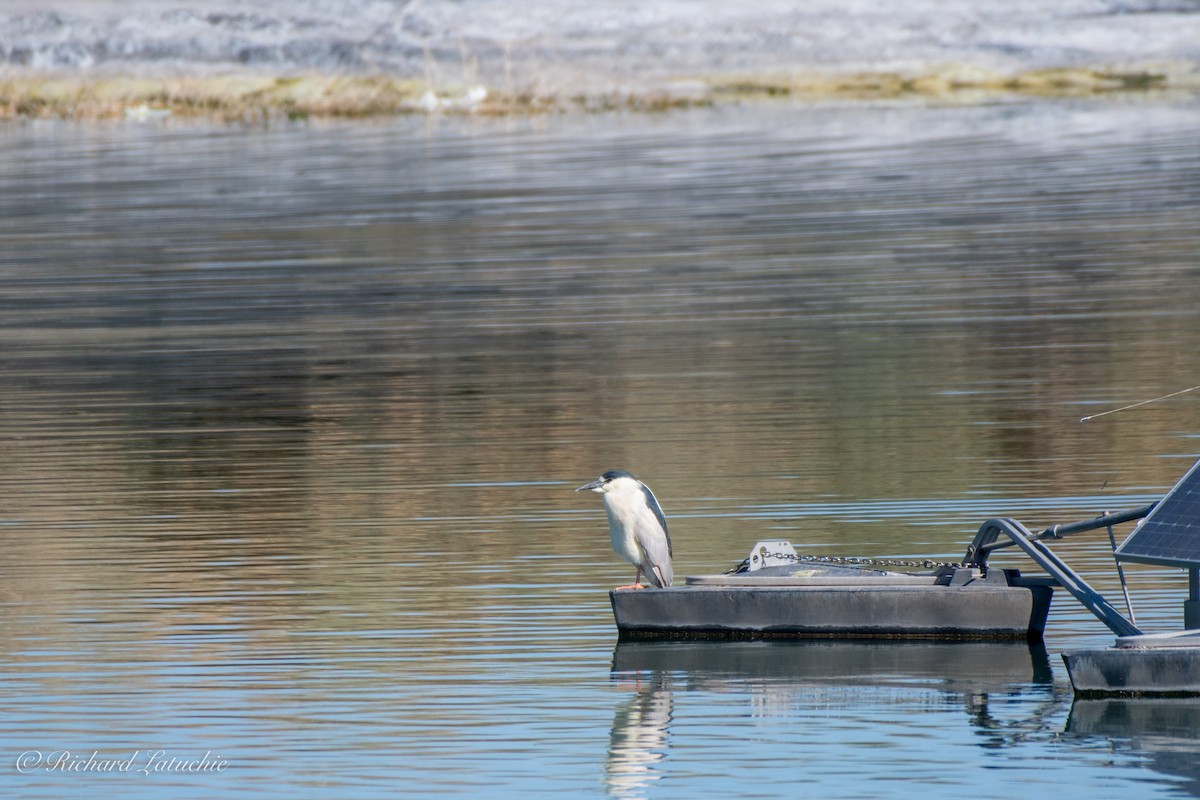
(652, 501)
(650, 532)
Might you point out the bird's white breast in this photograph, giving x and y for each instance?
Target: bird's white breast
(621, 526)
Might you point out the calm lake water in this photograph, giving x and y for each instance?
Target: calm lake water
(291, 418)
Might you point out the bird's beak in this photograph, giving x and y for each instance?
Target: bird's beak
(593, 485)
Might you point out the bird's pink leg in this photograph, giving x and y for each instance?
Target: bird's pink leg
(637, 582)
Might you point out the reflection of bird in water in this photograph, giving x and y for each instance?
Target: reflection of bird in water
(638, 741)
(636, 525)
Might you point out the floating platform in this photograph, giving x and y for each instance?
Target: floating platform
(776, 593)
(1159, 663)
(806, 601)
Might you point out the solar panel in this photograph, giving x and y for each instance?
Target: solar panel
(1170, 534)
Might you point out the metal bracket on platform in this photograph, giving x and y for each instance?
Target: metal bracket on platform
(771, 554)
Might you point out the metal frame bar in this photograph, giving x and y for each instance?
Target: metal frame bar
(1112, 540)
(1191, 607)
(986, 541)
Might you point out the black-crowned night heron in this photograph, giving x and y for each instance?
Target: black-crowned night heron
(636, 525)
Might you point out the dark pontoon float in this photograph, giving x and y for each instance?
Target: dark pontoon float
(780, 594)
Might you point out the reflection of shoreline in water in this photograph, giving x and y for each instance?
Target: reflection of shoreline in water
(1164, 731)
(776, 674)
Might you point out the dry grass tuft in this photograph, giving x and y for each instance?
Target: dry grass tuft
(257, 99)
(961, 83)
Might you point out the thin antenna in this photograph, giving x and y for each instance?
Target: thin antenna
(1120, 572)
(1144, 402)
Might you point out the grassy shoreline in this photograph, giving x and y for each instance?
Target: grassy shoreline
(257, 98)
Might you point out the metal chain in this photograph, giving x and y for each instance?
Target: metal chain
(853, 561)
